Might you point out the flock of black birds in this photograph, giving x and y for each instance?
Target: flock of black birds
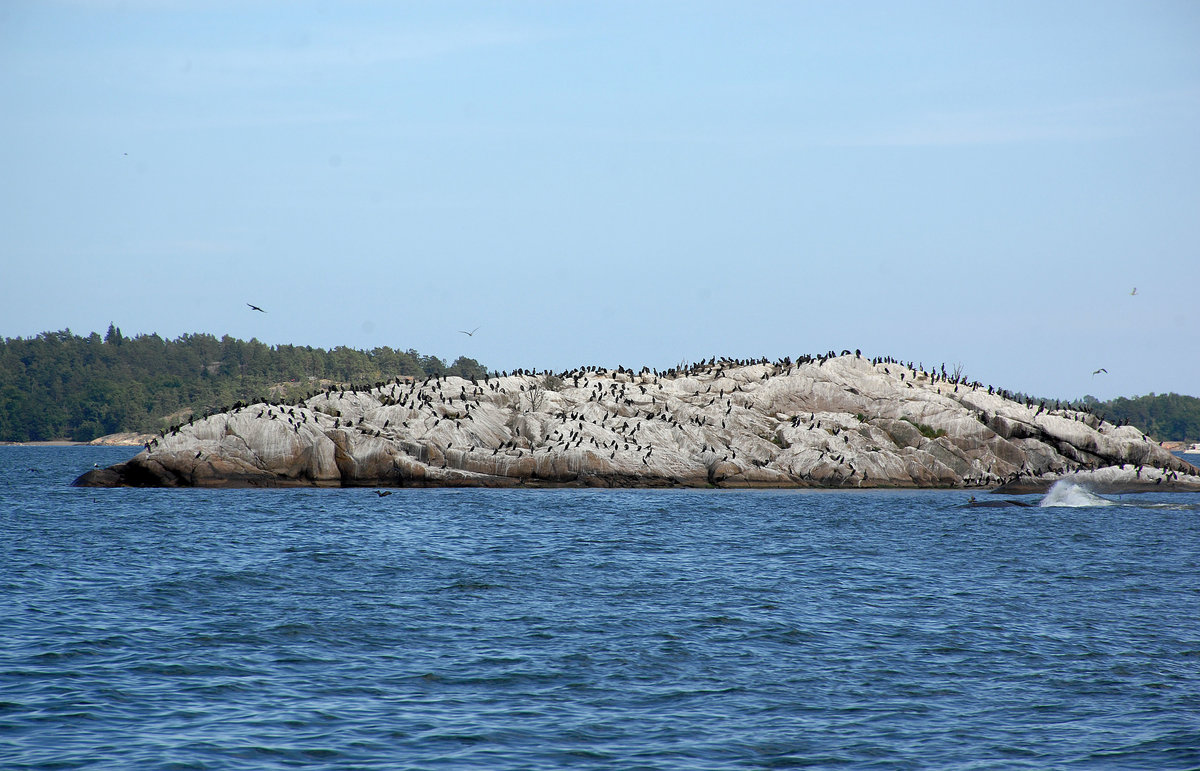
(434, 400)
(430, 394)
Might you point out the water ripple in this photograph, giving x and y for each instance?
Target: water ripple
(455, 629)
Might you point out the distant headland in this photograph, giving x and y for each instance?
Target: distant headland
(828, 421)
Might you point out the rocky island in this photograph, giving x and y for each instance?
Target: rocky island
(829, 421)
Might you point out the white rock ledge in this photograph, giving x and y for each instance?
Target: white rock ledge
(833, 422)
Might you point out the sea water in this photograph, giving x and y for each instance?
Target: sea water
(515, 629)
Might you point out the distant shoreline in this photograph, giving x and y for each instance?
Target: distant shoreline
(110, 440)
(53, 443)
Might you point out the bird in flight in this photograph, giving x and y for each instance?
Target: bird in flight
(1134, 291)
(471, 333)
(383, 493)
(1097, 372)
(256, 308)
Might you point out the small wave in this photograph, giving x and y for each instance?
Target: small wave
(1065, 493)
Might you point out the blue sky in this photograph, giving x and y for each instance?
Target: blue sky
(617, 183)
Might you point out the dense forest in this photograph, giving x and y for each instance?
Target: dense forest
(1165, 417)
(59, 385)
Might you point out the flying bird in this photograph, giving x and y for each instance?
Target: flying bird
(256, 308)
(471, 333)
(1097, 372)
(1134, 291)
(383, 493)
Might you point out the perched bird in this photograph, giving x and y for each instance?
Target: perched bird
(1097, 372)
(256, 308)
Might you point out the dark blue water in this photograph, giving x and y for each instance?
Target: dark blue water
(594, 629)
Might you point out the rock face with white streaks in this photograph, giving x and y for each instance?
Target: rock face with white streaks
(838, 421)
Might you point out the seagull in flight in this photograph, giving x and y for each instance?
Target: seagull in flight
(256, 308)
(471, 333)
(1097, 372)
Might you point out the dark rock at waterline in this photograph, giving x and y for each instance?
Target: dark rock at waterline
(113, 476)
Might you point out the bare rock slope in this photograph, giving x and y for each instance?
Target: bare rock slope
(830, 421)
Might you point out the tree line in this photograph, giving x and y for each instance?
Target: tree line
(59, 385)
(1165, 417)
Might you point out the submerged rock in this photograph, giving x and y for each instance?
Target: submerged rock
(826, 422)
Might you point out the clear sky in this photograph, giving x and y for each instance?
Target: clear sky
(617, 182)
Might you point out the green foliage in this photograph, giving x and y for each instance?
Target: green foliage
(60, 385)
(928, 432)
(1166, 417)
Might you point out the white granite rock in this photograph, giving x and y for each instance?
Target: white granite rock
(830, 422)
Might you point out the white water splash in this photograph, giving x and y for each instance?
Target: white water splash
(1066, 493)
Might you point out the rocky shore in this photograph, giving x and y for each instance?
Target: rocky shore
(830, 422)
